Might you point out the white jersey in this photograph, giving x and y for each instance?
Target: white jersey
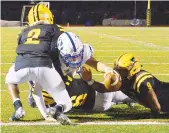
(87, 54)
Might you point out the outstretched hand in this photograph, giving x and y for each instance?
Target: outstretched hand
(86, 74)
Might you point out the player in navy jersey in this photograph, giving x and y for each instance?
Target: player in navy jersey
(136, 83)
(84, 98)
(36, 52)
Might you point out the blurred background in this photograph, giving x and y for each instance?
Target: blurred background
(92, 13)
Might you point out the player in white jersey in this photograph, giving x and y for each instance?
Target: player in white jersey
(70, 64)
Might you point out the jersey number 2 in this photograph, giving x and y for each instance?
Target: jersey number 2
(33, 37)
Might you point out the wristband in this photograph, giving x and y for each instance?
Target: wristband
(91, 82)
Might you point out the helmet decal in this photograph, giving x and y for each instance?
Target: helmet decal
(40, 14)
(74, 47)
(37, 12)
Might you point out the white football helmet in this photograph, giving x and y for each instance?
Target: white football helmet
(71, 49)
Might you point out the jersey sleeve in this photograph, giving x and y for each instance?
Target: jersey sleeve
(54, 52)
(88, 53)
(60, 28)
(146, 85)
(19, 37)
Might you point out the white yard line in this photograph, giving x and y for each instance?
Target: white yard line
(158, 74)
(123, 39)
(113, 50)
(100, 74)
(164, 56)
(4, 90)
(95, 45)
(145, 63)
(152, 63)
(85, 123)
(155, 56)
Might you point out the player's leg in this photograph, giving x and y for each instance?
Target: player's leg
(120, 97)
(51, 81)
(12, 79)
(38, 98)
(103, 101)
(31, 100)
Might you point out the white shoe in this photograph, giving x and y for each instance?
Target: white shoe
(19, 113)
(51, 111)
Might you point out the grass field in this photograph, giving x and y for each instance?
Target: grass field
(150, 45)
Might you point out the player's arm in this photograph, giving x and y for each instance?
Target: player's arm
(97, 65)
(146, 90)
(94, 63)
(100, 87)
(57, 31)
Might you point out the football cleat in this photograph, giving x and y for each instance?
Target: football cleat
(51, 110)
(59, 116)
(19, 113)
(63, 119)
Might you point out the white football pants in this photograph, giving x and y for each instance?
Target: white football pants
(47, 78)
(104, 101)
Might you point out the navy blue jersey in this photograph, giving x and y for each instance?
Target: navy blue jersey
(82, 95)
(35, 46)
(139, 85)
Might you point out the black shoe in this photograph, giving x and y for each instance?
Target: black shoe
(60, 116)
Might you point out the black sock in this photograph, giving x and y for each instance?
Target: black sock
(17, 104)
(59, 108)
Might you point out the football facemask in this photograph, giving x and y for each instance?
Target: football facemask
(73, 60)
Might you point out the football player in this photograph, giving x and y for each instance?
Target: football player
(35, 51)
(84, 98)
(73, 54)
(137, 83)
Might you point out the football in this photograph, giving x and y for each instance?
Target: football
(112, 81)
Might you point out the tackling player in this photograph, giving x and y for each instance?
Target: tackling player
(73, 54)
(36, 47)
(138, 84)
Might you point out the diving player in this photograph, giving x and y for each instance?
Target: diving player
(84, 98)
(137, 83)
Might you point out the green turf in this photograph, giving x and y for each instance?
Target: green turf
(87, 129)
(148, 44)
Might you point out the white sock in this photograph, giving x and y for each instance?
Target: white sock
(15, 99)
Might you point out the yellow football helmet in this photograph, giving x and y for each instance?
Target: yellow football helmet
(40, 13)
(128, 62)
